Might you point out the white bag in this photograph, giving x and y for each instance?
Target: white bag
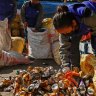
(38, 44)
(5, 36)
(83, 45)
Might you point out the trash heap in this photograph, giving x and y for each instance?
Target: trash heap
(39, 81)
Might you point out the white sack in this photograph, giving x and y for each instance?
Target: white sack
(38, 44)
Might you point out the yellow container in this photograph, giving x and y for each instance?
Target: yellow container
(47, 23)
(17, 44)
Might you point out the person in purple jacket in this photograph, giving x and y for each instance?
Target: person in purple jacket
(67, 22)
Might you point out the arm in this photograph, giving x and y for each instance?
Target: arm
(40, 17)
(23, 12)
(65, 45)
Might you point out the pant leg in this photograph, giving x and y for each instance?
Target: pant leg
(75, 53)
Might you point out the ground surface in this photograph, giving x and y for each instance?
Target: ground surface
(11, 71)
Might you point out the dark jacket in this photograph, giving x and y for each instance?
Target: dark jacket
(69, 44)
(8, 9)
(32, 14)
(91, 22)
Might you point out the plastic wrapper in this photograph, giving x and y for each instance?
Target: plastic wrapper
(94, 79)
(38, 44)
(17, 41)
(86, 66)
(54, 39)
(16, 26)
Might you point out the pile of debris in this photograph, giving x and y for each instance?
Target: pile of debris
(39, 81)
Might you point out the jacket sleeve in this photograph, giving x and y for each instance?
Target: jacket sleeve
(65, 45)
(23, 12)
(40, 17)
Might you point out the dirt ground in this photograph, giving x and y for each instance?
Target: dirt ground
(11, 70)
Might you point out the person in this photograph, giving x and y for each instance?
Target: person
(68, 24)
(7, 13)
(8, 9)
(32, 14)
(91, 21)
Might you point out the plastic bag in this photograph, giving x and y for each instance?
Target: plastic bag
(38, 44)
(94, 79)
(5, 36)
(85, 47)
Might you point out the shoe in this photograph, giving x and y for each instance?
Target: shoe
(30, 58)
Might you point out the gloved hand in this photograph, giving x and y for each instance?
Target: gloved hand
(68, 75)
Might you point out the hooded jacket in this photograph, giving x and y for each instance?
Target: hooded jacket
(7, 9)
(32, 14)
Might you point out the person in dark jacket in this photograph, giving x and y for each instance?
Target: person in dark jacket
(7, 13)
(91, 21)
(8, 9)
(32, 14)
(68, 24)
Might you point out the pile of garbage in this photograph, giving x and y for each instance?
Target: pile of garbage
(39, 81)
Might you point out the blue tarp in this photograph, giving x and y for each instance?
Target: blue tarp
(48, 6)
